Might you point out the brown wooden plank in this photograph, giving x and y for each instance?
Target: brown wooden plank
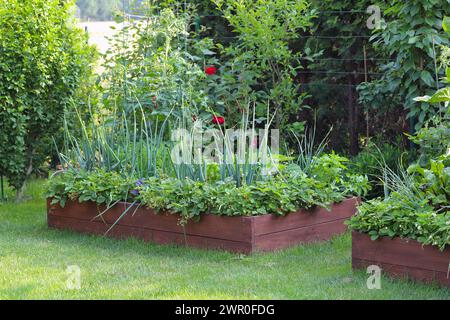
(95, 227)
(156, 236)
(400, 252)
(228, 228)
(231, 233)
(222, 227)
(74, 209)
(271, 224)
(404, 272)
(287, 238)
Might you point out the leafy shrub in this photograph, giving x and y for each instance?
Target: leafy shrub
(44, 60)
(413, 36)
(434, 137)
(260, 64)
(434, 182)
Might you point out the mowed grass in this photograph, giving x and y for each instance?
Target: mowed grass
(34, 261)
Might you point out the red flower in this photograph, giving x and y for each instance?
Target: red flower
(211, 70)
(194, 118)
(218, 120)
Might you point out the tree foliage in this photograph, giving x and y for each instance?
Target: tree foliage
(261, 58)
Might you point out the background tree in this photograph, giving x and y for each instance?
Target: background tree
(260, 65)
(98, 10)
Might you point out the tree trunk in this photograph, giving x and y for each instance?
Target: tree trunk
(21, 191)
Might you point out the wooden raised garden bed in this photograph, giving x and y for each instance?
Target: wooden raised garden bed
(402, 258)
(236, 234)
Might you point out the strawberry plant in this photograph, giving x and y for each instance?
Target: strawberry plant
(417, 207)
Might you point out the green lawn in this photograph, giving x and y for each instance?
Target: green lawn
(33, 262)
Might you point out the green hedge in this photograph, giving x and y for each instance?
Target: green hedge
(44, 62)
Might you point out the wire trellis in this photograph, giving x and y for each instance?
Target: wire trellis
(130, 16)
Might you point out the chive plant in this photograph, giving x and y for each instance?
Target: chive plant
(127, 144)
(307, 149)
(236, 152)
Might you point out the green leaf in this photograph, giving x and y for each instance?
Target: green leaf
(442, 95)
(427, 78)
(208, 52)
(446, 24)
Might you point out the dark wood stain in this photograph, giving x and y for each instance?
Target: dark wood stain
(402, 258)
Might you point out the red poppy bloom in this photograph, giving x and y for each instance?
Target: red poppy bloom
(211, 70)
(218, 120)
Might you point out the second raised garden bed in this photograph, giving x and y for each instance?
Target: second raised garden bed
(402, 258)
(236, 234)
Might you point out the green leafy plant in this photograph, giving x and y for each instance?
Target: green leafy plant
(372, 160)
(99, 186)
(412, 34)
(434, 182)
(442, 95)
(434, 137)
